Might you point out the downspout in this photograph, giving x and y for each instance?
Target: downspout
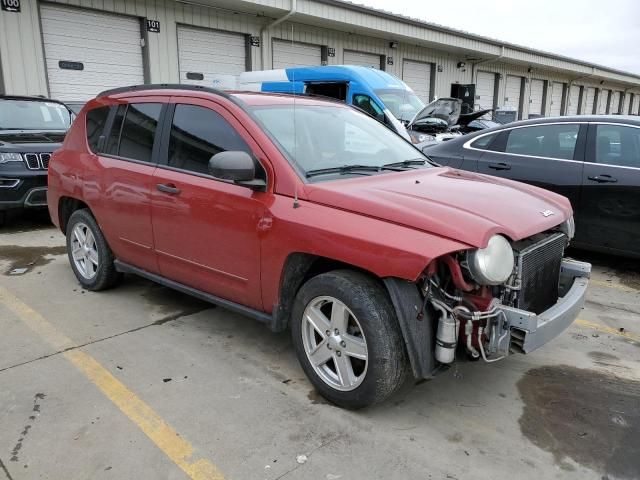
(475, 64)
(263, 30)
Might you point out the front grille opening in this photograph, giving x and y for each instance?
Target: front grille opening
(33, 163)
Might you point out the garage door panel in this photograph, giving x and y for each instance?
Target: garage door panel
(485, 89)
(536, 96)
(294, 54)
(107, 45)
(418, 76)
(574, 100)
(603, 101)
(363, 59)
(615, 103)
(219, 56)
(591, 96)
(513, 92)
(556, 99)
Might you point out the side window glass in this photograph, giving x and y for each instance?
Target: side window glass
(139, 130)
(552, 141)
(96, 120)
(366, 104)
(198, 133)
(114, 136)
(484, 143)
(618, 145)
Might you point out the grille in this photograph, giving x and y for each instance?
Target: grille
(539, 270)
(37, 161)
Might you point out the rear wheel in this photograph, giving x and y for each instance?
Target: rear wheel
(90, 257)
(347, 340)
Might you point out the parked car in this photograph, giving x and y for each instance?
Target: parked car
(309, 214)
(592, 160)
(31, 128)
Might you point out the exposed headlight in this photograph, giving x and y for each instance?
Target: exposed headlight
(10, 157)
(491, 265)
(568, 227)
(418, 137)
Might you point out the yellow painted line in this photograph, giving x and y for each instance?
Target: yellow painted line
(608, 330)
(174, 446)
(617, 286)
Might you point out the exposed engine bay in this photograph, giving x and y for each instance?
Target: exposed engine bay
(478, 296)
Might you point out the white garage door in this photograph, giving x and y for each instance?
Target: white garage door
(626, 108)
(364, 59)
(636, 103)
(574, 100)
(602, 103)
(588, 105)
(615, 103)
(292, 54)
(210, 57)
(418, 76)
(485, 86)
(100, 51)
(556, 99)
(536, 94)
(513, 91)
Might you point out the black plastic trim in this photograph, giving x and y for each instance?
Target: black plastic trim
(163, 86)
(236, 307)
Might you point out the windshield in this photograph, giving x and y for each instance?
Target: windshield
(325, 137)
(33, 115)
(404, 104)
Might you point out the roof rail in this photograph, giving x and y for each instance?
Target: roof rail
(162, 86)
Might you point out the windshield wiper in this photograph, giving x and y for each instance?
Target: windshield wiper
(349, 168)
(406, 163)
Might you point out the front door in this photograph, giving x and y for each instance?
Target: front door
(206, 230)
(610, 205)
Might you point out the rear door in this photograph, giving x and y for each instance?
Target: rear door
(119, 188)
(206, 230)
(546, 155)
(610, 205)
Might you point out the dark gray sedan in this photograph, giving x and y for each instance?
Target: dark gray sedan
(592, 160)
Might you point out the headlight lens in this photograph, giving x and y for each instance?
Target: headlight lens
(492, 265)
(568, 227)
(10, 157)
(418, 137)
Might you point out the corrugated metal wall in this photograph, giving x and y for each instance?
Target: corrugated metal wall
(21, 51)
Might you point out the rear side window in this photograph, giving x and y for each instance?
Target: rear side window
(484, 143)
(96, 120)
(551, 141)
(618, 145)
(198, 133)
(137, 124)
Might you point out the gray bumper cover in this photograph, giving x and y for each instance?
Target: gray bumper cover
(530, 331)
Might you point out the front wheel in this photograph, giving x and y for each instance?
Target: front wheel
(347, 339)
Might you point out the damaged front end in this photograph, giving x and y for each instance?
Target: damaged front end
(487, 303)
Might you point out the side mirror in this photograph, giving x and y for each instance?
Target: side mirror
(237, 167)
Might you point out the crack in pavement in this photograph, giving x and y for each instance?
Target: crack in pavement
(4, 469)
(162, 321)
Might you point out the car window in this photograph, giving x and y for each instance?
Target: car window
(484, 142)
(366, 104)
(552, 141)
(198, 133)
(96, 120)
(139, 130)
(618, 145)
(114, 135)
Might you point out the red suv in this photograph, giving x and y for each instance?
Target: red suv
(310, 215)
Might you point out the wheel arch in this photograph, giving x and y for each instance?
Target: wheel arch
(66, 207)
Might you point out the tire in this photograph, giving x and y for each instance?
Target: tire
(93, 266)
(373, 373)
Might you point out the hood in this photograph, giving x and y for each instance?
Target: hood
(466, 118)
(461, 206)
(17, 137)
(447, 109)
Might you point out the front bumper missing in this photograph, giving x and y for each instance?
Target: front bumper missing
(529, 331)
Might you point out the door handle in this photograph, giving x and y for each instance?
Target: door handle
(169, 188)
(603, 179)
(500, 166)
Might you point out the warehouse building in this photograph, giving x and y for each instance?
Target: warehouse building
(73, 49)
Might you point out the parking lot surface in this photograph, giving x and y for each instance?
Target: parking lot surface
(142, 382)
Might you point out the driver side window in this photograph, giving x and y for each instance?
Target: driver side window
(367, 105)
(198, 133)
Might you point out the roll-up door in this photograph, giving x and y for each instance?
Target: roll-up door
(418, 76)
(589, 103)
(602, 103)
(87, 52)
(485, 89)
(556, 99)
(293, 54)
(364, 59)
(615, 103)
(536, 96)
(513, 92)
(636, 104)
(628, 99)
(210, 57)
(574, 100)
